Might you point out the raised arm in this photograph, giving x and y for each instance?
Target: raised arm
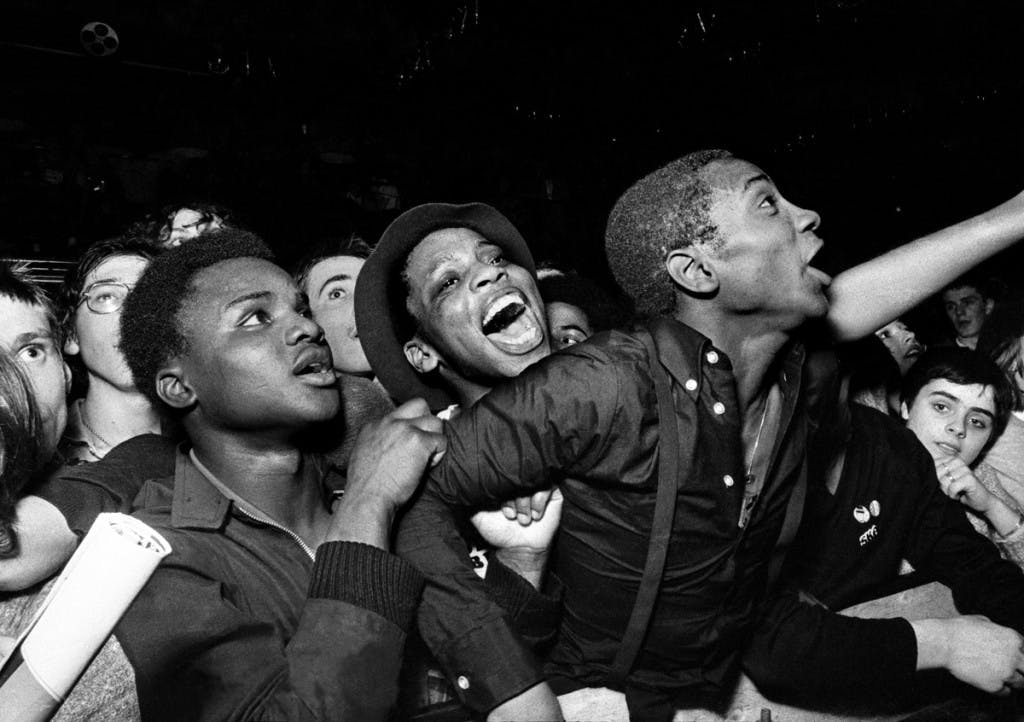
(875, 292)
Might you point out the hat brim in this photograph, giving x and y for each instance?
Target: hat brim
(377, 281)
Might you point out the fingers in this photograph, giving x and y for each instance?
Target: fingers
(528, 509)
(411, 409)
(523, 510)
(957, 488)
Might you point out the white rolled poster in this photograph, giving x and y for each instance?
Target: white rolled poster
(110, 567)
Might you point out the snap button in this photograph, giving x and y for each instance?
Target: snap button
(463, 682)
(719, 408)
(712, 357)
(728, 480)
(691, 384)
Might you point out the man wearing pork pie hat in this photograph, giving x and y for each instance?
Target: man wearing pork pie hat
(447, 306)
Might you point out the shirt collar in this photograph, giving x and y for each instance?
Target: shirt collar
(682, 350)
(199, 503)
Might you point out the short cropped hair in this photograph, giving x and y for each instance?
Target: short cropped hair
(70, 292)
(663, 211)
(971, 280)
(150, 322)
(16, 285)
(964, 367)
(352, 245)
(21, 447)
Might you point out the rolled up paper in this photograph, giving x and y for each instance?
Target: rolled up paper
(110, 567)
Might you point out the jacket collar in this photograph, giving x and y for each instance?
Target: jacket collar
(198, 504)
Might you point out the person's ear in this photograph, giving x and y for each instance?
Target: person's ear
(692, 268)
(421, 355)
(173, 387)
(989, 305)
(904, 411)
(67, 376)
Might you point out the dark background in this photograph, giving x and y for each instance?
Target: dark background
(890, 117)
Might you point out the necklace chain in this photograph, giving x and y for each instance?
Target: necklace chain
(88, 427)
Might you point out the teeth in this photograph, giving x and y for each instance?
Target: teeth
(498, 305)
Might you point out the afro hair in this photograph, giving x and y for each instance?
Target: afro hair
(663, 211)
(150, 332)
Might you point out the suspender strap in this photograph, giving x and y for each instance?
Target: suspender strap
(661, 531)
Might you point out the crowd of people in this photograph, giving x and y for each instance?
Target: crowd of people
(425, 477)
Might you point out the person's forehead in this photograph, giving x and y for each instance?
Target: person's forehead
(961, 292)
(219, 284)
(892, 326)
(731, 174)
(566, 313)
(327, 268)
(440, 245)
(118, 268)
(21, 318)
(972, 395)
(184, 217)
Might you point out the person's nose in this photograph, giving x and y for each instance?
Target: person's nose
(485, 274)
(304, 328)
(806, 220)
(957, 427)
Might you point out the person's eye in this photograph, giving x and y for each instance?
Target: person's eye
(979, 423)
(335, 293)
(305, 311)
(940, 407)
(769, 201)
(497, 260)
(255, 318)
(882, 334)
(32, 352)
(448, 282)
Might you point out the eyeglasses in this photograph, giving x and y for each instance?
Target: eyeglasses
(105, 296)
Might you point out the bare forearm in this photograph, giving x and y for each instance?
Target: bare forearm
(367, 521)
(528, 564)
(873, 293)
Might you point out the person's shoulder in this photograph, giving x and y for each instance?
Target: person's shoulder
(142, 457)
(874, 430)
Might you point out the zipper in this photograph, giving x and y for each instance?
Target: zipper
(275, 525)
(271, 523)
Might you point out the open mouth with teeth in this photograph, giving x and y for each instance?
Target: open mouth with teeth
(511, 325)
(314, 368)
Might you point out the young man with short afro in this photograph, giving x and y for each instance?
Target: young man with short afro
(280, 599)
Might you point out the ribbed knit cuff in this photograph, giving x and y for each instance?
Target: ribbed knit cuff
(367, 577)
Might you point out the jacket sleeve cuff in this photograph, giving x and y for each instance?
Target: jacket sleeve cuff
(534, 614)
(367, 577)
(489, 665)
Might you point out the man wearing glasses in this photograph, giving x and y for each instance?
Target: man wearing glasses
(111, 409)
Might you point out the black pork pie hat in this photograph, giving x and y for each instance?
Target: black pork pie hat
(380, 288)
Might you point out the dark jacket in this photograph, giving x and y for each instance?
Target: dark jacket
(240, 622)
(887, 507)
(587, 418)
